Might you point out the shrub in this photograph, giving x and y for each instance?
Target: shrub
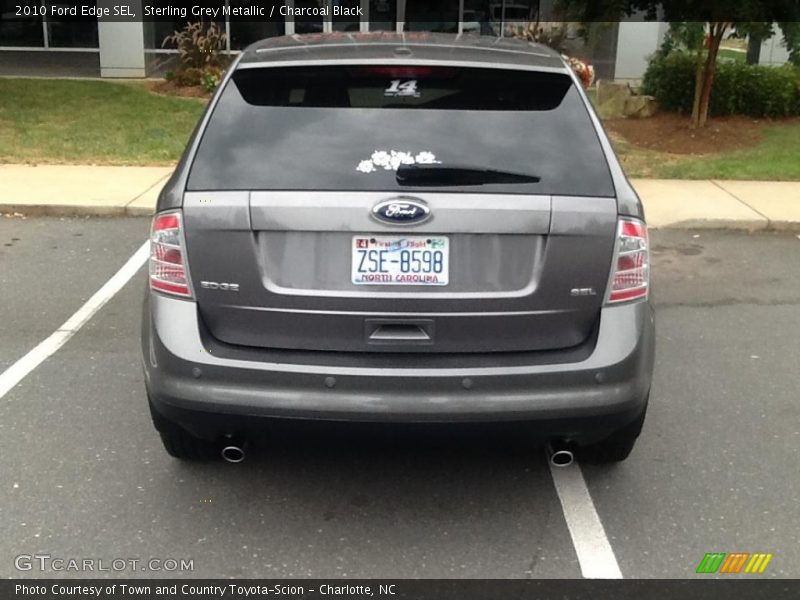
(550, 34)
(200, 45)
(211, 78)
(754, 90)
(188, 77)
(671, 80)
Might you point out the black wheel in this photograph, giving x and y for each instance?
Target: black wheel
(181, 444)
(615, 448)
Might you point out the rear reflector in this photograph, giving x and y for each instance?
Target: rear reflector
(168, 257)
(631, 277)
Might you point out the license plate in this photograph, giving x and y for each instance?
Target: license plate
(396, 260)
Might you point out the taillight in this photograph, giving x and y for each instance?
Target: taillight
(630, 279)
(168, 270)
(415, 72)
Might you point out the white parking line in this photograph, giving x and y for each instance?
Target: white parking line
(595, 555)
(17, 372)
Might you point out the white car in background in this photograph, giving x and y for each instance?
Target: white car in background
(471, 21)
(514, 15)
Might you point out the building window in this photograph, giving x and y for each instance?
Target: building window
(505, 16)
(344, 22)
(422, 15)
(382, 15)
(244, 33)
(66, 32)
(23, 30)
(308, 23)
(32, 28)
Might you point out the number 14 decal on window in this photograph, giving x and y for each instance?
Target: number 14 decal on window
(400, 87)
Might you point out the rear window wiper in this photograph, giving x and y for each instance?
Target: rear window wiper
(438, 174)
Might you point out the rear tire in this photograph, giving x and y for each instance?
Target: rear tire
(181, 444)
(616, 447)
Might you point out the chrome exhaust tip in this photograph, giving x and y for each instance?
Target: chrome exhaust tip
(233, 454)
(559, 455)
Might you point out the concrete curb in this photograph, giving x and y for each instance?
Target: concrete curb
(107, 191)
(61, 210)
(75, 190)
(138, 211)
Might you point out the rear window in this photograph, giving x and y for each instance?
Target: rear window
(352, 127)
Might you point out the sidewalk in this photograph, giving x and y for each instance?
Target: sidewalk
(132, 191)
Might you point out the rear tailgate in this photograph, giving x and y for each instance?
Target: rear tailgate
(286, 181)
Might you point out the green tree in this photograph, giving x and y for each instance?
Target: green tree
(706, 48)
(701, 26)
(691, 37)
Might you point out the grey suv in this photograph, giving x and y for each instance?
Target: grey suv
(399, 228)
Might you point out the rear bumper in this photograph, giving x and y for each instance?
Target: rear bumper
(209, 394)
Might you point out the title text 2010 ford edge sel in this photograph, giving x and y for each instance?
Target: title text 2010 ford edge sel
(390, 228)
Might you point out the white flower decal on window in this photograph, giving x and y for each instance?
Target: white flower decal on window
(366, 166)
(392, 159)
(401, 158)
(382, 159)
(426, 158)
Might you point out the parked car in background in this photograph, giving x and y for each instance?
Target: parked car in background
(471, 22)
(504, 17)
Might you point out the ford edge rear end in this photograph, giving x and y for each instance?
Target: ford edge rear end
(399, 229)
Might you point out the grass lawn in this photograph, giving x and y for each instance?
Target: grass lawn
(96, 122)
(732, 55)
(775, 157)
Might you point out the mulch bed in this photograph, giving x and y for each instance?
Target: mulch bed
(670, 132)
(168, 88)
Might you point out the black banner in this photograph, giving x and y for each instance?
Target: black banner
(429, 589)
(419, 12)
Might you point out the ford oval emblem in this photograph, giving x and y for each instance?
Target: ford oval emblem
(401, 211)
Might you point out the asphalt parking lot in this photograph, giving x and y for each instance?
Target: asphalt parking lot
(84, 474)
